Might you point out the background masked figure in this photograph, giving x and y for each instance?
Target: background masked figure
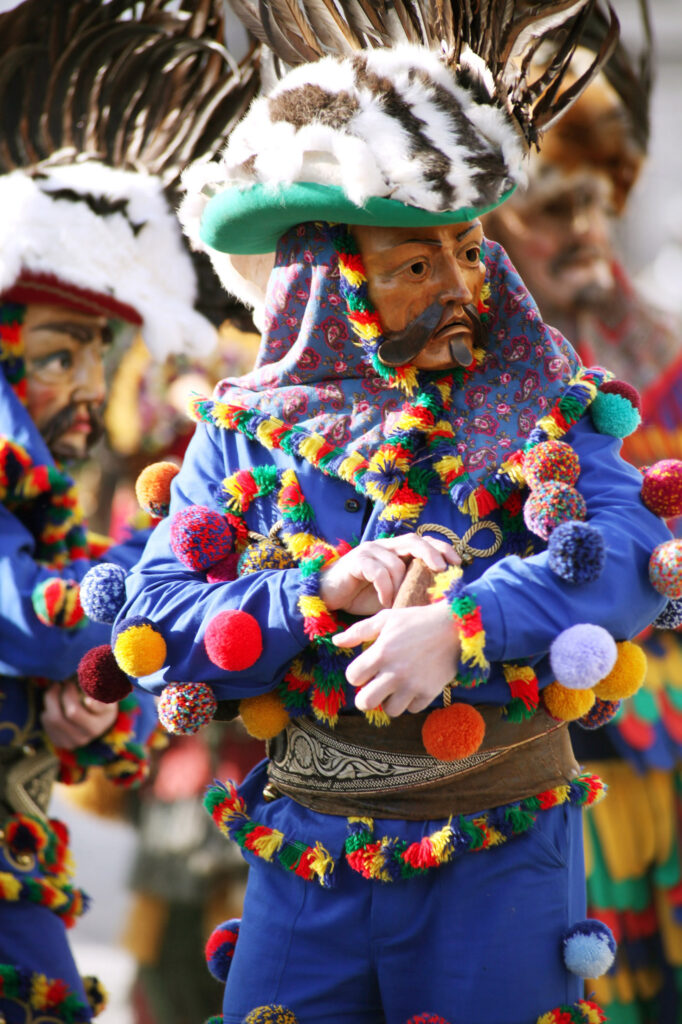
(561, 235)
(86, 250)
(414, 838)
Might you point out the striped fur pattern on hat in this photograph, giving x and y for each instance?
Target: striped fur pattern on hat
(393, 123)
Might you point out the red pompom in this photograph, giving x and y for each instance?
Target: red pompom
(662, 488)
(452, 733)
(200, 537)
(100, 677)
(625, 390)
(225, 570)
(233, 640)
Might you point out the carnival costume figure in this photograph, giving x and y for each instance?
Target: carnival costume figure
(414, 837)
(85, 247)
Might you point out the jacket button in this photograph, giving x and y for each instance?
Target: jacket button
(352, 505)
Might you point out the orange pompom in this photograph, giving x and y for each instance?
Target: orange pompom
(152, 488)
(264, 716)
(452, 733)
(567, 704)
(626, 676)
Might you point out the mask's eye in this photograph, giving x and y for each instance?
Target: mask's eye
(418, 268)
(473, 254)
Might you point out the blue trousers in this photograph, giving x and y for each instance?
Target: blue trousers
(477, 940)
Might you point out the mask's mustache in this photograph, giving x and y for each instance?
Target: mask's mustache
(400, 347)
(64, 420)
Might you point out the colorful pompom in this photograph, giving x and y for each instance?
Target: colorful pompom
(662, 488)
(103, 592)
(616, 409)
(576, 552)
(233, 640)
(152, 488)
(551, 504)
(138, 646)
(551, 460)
(95, 993)
(626, 676)
(427, 1018)
(220, 948)
(184, 708)
(589, 948)
(452, 733)
(665, 568)
(567, 705)
(265, 555)
(583, 1012)
(270, 1015)
(56, 602)
(582, 655)
(671, 616)
(601, 712)
(225, 570)
(264, 716)
(200, 537)
(100, 677)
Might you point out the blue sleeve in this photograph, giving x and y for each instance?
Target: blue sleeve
(27, 647)
(181, 603)
(524, 605)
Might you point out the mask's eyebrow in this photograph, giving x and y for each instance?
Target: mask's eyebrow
(436, 242)
(474, 224)
(82, 333)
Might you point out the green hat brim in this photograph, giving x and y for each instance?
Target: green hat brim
(246, 221)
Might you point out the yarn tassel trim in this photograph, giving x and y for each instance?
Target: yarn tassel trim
(524, 690)
(228, 810)
(390, 859)
(474, 668)
(63, 900)
(26, 836)
(583, 1012)
(124, 760)
(43, 994)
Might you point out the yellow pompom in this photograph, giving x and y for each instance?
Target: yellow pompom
(264, 716)
(626, 676)
(567, 704)
(139, 649)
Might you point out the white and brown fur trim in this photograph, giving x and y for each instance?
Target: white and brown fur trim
(110, 232)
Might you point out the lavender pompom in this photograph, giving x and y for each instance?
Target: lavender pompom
(582, 655)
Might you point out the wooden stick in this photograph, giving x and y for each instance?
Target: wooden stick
(415, 586)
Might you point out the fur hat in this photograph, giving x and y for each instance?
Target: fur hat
(108, 238)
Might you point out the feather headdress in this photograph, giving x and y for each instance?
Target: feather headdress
(398, 112)
(102, 105)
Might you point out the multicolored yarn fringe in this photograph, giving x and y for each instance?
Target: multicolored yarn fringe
(582, 1012)
(11, 347)
(364, 319)
(50, 496)
(389, 859)
(124, 760)
(228, 811)
(47, 841)
(63, 900)
(473, 667)
(524, 689)
(43, 995)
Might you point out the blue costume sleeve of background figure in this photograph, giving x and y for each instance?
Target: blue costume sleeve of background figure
(181, 603)
(524, 605)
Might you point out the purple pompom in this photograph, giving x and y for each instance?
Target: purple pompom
(582, 655)
(576, 552)
(103, 592)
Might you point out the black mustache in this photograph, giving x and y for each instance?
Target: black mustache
(64, 420)
(400, 347)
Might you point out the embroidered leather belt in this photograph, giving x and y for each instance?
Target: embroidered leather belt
(360, 770)
(26, 779)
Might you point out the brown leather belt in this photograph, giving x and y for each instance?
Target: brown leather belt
(360, 770)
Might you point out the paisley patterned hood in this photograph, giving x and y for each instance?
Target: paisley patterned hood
(313, 374)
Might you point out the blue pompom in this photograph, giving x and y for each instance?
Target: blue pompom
(669, 618)
(103, 592)
(576, 552)
(589, 948)
(614, 414)
(582, 655)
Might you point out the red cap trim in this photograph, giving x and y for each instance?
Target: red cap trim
(43, 288)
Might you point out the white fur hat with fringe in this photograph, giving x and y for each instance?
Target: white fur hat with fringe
(109, 237)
